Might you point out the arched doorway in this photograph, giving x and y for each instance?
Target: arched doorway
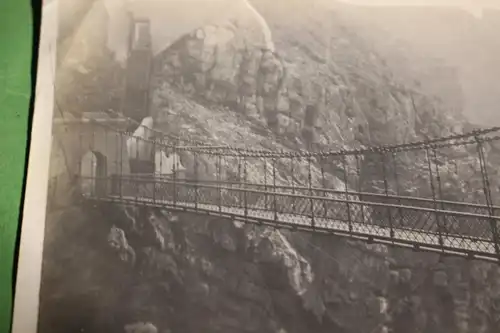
(93, 173)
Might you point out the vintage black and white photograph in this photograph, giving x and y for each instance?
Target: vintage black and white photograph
(265, 166)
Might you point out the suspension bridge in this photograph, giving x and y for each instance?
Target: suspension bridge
(439, 196)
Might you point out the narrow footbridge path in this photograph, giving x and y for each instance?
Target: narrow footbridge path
(440, 195)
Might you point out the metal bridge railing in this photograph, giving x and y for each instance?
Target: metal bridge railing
(442, 193)
(410, 223)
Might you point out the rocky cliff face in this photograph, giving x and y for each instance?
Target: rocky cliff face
(186, 273)
(321, 81)
(314, 85)
(457, 38)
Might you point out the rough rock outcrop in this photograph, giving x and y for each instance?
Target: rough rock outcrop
(222, 64)
(223, 85)
(291, 89)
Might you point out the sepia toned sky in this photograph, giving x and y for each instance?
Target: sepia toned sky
(474, 6)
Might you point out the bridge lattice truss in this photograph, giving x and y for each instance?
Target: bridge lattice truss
(440, 195)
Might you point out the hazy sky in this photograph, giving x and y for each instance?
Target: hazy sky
(474, 6)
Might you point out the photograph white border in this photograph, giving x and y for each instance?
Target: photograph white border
(27, 289)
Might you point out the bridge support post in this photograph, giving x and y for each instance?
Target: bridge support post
(433, 190)
(444, 229)
(240, 180)
(245, 194)
(154, 173)
(196, 180)
(487, 195)
(80, 151)
(265, 184)
(174, 176)
(120, 167)
(360, 195)
(275, 204)
(135, 170)
(346, 185)
(323, 185)
(398, 192)
(293, 184)
(311, 200)
(386, 190)
(219, 189)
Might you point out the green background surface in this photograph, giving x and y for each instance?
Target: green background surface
(15, 76)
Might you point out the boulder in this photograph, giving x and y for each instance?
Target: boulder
(140, 327)
(440, 279)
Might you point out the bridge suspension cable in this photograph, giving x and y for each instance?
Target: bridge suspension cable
(226, 150)
(441, 142)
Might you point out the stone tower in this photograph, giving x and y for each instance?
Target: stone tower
(139, 61)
